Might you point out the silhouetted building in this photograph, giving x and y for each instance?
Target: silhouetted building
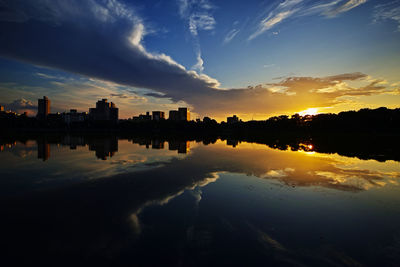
(158, 115)
(233, 119)
(8, 114)
(104, 112)
(73, 116)
(142, 117)
(173, 115)
(182, 114)
(43, 108)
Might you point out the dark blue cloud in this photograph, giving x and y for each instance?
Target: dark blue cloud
(99, 39)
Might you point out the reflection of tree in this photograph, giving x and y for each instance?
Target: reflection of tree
(95, 218)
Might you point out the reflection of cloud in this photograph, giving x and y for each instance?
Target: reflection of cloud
(295, 168)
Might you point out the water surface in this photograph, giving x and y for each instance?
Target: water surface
(107, 200)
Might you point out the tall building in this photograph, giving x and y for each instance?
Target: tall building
(158, 115)
(43, 108)
(173, 115)
(104, 112)
(182, 114)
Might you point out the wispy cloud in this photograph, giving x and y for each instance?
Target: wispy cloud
(230, 35)
(198, 22)
(271, 21)
(198, 15)
(388, 11)
(344, 7)
(300, 8)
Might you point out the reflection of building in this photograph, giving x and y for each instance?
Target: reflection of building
(104, 147)
(1, 108)
(73, 141)
(74, 117)
(182, 114)
(157, 144)
(158, 115)
(43, 108)
(233, 119)
(43, 150)
(104, 112)
(232, 142)
(182, 146)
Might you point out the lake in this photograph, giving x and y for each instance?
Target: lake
(72, 200)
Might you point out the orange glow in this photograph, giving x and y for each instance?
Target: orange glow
(310, 111)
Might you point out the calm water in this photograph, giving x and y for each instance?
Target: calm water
(75, 200)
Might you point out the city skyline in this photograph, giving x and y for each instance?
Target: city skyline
(254, 59)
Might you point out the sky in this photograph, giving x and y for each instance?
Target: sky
(251, 58)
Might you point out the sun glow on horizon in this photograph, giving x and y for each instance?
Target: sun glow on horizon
(310, 111)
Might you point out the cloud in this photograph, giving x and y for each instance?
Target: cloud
(344, 7)
(230, 35)
(21, 105)
(108, 46)
(300, 8)
(198, 15)
(133, 97)
(199, 65)
(388, 11)
(204, 22)
(271, 21)
(291, 93)
(107, 49)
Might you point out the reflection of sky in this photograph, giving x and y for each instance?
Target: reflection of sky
(291, 168)
(216, 199)
(20, 164)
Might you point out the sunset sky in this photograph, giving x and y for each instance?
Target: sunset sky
(252, 58)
